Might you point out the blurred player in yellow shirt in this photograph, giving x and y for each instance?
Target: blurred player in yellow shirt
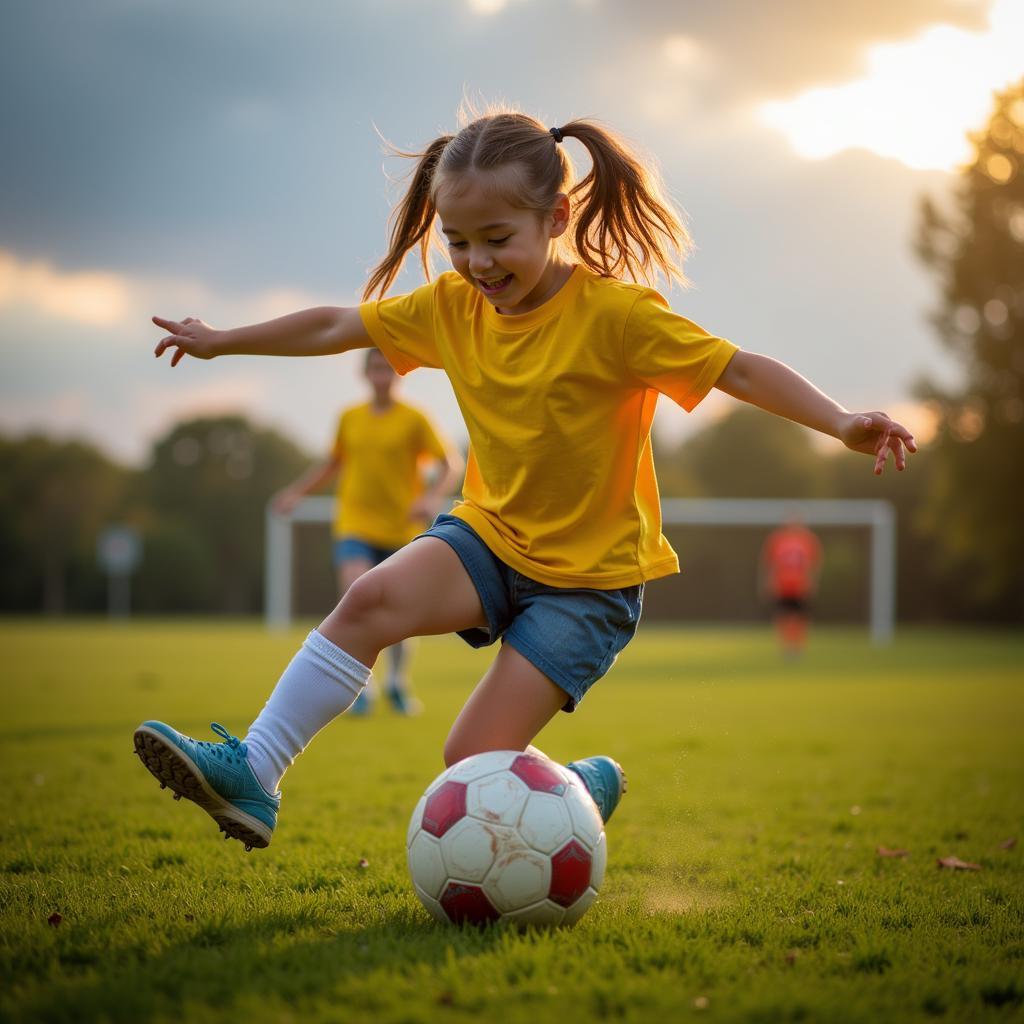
(383, 452)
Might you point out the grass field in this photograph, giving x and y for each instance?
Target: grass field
(743, 880)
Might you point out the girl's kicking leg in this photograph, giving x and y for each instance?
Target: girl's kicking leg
(508, 708)
(397, 688)
(422, 589)
(348, 572)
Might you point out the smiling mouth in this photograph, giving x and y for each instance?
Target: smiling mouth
(492, 287)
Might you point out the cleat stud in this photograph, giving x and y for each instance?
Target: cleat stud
(163, 785)
(177, 796)
(248, 848)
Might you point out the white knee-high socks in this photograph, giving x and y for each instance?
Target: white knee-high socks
(320, 682)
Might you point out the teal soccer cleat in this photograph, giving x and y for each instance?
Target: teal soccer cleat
(216, 776)
(605, 781)
(363, 704)
(403, 703)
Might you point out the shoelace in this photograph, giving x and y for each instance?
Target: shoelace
(233, 743)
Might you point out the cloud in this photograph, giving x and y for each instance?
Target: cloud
(100, 297)
(775, 49)
(918, 98)
(96, 297)
(71, 372)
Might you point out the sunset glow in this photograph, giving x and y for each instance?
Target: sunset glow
(90, 297)
(917, 100)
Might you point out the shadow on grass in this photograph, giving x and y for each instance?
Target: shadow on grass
(291, 959)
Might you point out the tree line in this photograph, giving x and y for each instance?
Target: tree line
(199, 501)
(199, 506)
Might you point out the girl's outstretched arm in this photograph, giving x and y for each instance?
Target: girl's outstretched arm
(774, 387)
(325, 330)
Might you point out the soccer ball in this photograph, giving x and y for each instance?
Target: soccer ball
(507, 836)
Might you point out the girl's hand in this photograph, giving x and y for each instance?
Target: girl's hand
(286, 501)
(189, 336)
(425, 508)
(874, 433)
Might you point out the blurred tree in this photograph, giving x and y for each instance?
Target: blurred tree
(177, 573)
(746, 454)
(55, 496)
(207, 485)
(976, 504)
(923, 592)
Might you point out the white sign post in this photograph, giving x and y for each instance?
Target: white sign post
(119, 551)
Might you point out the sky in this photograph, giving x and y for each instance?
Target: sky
(224, 159)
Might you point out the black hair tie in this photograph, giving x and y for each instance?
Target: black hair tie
(556, 134)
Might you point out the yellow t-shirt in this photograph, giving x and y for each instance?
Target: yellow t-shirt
(558, 403)
(380, 455)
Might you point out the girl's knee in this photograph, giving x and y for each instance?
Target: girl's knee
(364, 598)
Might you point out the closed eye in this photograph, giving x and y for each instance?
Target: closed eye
(490, 241)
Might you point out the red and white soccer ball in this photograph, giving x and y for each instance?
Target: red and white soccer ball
(507, 836)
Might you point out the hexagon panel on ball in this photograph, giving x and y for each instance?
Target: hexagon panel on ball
(426, 865)
(545, 823)
(520, 876)
(469, 849)
(498, 799)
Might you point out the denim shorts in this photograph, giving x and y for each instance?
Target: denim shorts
(349, 547)
(572, 634)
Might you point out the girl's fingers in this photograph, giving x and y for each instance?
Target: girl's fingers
(881, 453)
(898, 456)
(166, 343)
(897, 436)
(170, 342)
(905, 436)
(168, 325)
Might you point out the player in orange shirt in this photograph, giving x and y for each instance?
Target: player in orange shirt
(790, 566)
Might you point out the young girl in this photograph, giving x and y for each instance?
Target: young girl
(380, 451)
(557, 364)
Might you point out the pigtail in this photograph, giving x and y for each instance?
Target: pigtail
(623, 225)
(411, 221)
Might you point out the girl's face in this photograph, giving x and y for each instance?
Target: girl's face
(505, 252)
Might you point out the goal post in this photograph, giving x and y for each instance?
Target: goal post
(279, 555)
(879, 517)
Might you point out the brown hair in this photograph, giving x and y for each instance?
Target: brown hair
(621, 225)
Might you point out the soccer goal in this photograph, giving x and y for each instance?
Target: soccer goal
(878, 517)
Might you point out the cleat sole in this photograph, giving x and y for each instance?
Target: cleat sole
(176, 771)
